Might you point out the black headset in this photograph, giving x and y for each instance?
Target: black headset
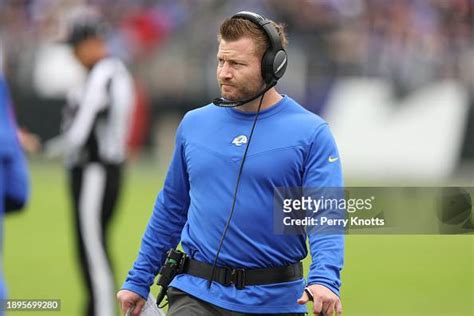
(274, 60)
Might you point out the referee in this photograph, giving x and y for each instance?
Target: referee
(94, 132)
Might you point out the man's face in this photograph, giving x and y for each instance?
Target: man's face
(89, 51)
(238, 69)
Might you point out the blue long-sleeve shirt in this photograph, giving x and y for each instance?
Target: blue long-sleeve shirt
(13, 171)
(290, 148)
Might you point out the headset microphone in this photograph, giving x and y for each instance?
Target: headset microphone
(232, 104)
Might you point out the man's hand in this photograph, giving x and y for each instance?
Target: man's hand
(129, 300)
(325, 301)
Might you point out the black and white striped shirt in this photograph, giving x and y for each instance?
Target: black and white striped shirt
(96, 118)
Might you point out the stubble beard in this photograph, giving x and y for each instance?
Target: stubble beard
(241, 92)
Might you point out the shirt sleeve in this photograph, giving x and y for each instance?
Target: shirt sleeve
(165, 225)
(323, 170)
(93, 101)
(17, 190)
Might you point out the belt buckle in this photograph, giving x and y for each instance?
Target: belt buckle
(238, 278)
(228, 276)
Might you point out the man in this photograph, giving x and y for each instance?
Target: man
(14, 185)
(96, 122)
(290, 148)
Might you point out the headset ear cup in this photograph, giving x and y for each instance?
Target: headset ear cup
(280, 62)
(267, 67)
(274, 65)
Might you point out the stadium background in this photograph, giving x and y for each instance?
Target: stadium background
(395, 80)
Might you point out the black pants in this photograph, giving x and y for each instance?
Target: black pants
(95, 188)
(183, 304)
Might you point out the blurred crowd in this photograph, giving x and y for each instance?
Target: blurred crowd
(170, 45)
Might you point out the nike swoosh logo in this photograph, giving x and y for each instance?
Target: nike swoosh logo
(333, 159)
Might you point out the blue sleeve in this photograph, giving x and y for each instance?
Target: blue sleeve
(323, 170)
(165, 225)
(17, 190)
(16, 174)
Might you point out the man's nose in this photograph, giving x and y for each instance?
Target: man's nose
(225, 72)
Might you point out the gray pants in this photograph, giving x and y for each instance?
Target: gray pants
(183, 304)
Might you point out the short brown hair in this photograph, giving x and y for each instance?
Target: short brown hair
(233, 29)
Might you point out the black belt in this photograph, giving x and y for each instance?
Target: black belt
(242, 277)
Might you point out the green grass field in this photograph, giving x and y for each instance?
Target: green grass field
(383, 275)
